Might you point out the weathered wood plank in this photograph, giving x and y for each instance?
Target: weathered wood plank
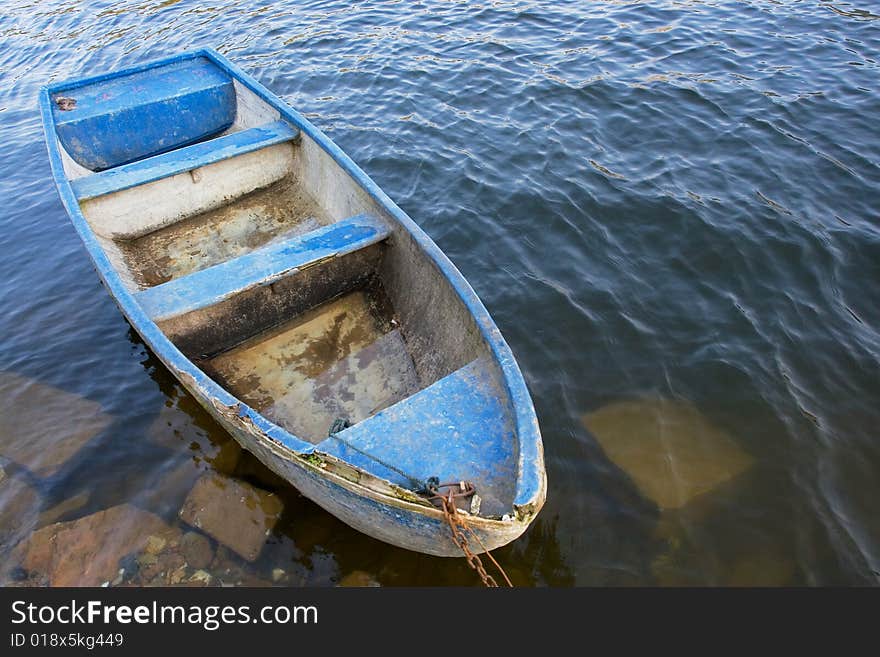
(260, 267)
(455, 429)
(182, 159)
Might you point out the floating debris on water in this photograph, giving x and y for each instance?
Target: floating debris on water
(236, 514)
(32, 436)
(671, 451)
(608, 172)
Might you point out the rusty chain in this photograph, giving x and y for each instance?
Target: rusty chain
(459, 528)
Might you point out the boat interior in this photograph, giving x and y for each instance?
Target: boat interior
(271, 268)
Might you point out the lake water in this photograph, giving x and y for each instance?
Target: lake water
(671, 209)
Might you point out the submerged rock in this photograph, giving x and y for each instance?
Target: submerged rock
(155, 544)
(48, 425)
(201, 578)
(87, 551)
(63, 508)
(177, 575)
(670, 450)
(250, 469)
(766, 568)
(196, 549)
(168, 487)
(233, 512)
(148, 566)
(359, 578)
(19, 508)
(19, 505)
(687, 562)
(182, 429)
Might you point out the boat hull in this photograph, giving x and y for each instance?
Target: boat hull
(399, 522)
(376, 506)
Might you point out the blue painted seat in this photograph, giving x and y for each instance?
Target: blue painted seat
(259, 267)
(182, 159)
(455, 429)
(108, 121)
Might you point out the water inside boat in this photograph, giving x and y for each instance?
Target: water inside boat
(342, 360)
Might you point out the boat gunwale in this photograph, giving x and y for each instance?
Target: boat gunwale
(531, 482)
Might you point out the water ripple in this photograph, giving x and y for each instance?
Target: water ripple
(671, 200)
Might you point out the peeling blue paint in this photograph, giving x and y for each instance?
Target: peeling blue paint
(183, 159)
(259, 267)
(124, 118)
(461, 432)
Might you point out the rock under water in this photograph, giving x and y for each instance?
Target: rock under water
(33, 436)
(671, 451)
(88, 551)
(236, 514)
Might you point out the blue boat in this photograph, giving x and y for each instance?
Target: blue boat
(295, 301)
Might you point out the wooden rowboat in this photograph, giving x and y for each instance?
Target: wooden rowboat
(294, 300)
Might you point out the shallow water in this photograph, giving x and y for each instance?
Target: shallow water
(665, 203)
